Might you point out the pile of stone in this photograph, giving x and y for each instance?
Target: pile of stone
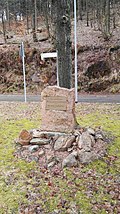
(81, 146)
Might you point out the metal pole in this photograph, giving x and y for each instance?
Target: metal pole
(75, 39)
(57, 71)
(23, 59)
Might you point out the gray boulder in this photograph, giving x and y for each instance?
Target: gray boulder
(39, 141)
(91, 131)
(70, 160)
(33, 148)
(86, 141)
(86, 157)
(64, 142)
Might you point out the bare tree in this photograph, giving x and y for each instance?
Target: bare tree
(108, 17)
(87, 13)
(4, 27)
(8, 14)
(34, 20)
(63, 37)
(46, 15)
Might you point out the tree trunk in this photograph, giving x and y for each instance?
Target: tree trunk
(98, 13)
(46, 15)
(114, 18)
(63, 37)
(34, 21)
(4, 27)
(80, 9)
(27, 15)
(8, 15)
(108, 17)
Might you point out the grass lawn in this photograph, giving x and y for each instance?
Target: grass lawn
(87, 189)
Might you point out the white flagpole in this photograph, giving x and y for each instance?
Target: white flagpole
(23, 60)
(57, 71)
(75, 39)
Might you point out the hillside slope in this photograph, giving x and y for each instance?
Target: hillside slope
(98, 61)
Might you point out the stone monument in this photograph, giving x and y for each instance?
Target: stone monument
(58, 109)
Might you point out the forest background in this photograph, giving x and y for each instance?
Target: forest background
(35, 22)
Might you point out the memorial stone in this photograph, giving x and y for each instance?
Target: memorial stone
(58, 109)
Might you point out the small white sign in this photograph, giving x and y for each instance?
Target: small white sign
(48, 55)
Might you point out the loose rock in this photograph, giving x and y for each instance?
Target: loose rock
(24, 137)
(41, 153)
(99, 136)
(33, 148)
(51, 161)
(45, 134)
(64, 142)
(86, 157)
(53, 149)
(40, 141)
(91, 131)
(86, 141)
(70, 160)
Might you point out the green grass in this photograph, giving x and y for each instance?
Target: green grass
(13, 171)
(15, 180)
(109, 122)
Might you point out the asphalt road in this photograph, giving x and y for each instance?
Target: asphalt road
(81, 98)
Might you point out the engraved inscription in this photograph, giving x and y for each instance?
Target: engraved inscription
(58, 103)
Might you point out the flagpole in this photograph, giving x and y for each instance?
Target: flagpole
(57, 71)
(75, 40)
(23, 60)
